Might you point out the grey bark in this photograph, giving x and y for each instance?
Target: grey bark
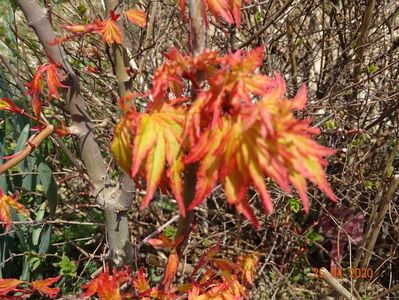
(113, 199)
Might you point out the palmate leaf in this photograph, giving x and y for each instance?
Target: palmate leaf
(6, 203)
(240, 129)
(53, 83)
(220, 8)
(8, 285)
(156, 149)
(265, 139)
(7, 104)
(106, 286)
(229, 10)
(43, 286)
(111, 33)
(137, 17)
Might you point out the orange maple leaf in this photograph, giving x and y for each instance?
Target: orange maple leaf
(240, 129)
(220, 8)
(111, 32)
(7, 104)
(284, 151)
(171, 268)
(229, 10)
(137, 17)
(236, 10)
(53, 80)
(6, 202)
(77, 29)
(248, 265)
(121, 145)
(179, 67)
(8, 285)
(162, 241)
(43, 286)
(156, 142)
(196, 294)
(140, 282)
(106, 286)
(35, 86)
(53, 83)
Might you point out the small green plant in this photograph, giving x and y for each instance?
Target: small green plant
(67, 267)
(295, 204)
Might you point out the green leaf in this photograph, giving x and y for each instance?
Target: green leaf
(45, 239)
(368, 185)
(82, 9)
(34, 262)
(67, 266)
(312, 237)
(38, 229)
(330, 124)
(372, 68)
(295, 204)
(29, 179)
(23, 137)
(170, 231)
(50, 187)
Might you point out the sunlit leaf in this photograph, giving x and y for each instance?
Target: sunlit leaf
(157, 153)
(162, 241)
(35, 86)
(43, 286)
(105, 286)
(248, 264)
(220, 8)
(6, 202)
(140, 282)
(53, 80)
(7, 104)
(8, 285)
(111, 33)
(171, 268)
(137, 17)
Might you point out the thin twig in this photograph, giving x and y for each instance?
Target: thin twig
(32, 144)
(324, 274)
(156, 232)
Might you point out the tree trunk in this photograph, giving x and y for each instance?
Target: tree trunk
(115, 200)
(198, 42)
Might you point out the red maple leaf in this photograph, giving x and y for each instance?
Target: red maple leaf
(106, 286)
(8, 285)
(43, 286)
(53, 83)
(53, 80)
(140, 282)
(7, 104)
(35, 86)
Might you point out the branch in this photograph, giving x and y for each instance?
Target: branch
(56, 138)
(89, 149)
(271, 21)
(198, 43)
(121, 251)
(335, 284)
(32, 144)
(362, 40)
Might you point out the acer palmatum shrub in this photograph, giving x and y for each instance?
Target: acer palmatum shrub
(211, 113)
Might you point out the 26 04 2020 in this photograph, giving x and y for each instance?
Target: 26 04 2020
(353, 273)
